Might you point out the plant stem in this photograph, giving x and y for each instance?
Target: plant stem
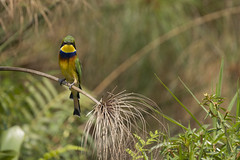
(31, 71)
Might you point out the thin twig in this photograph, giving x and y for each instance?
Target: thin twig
(8, 68)
(158, 41)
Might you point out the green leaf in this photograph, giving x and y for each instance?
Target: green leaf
(140, 140)
(7, 154)
(129, 151)
(139, 157)
(12, 139)
(218, 137)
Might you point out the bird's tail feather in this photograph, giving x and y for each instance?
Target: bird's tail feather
(77, 110)
(71, 96)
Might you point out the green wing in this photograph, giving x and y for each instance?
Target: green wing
(79, 70)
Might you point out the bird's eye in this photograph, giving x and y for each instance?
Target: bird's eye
(63, 43)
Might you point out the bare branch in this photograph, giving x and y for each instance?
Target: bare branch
(31, 71)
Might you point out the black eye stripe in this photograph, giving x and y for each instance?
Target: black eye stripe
(63, 43)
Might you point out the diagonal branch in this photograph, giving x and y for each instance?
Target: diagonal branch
(31, 71)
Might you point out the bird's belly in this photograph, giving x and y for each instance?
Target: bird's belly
(68, 70)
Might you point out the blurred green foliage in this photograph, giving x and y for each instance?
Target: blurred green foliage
(107, 33)
(218, 139)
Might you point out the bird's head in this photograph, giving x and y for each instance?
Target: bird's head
(68, 40)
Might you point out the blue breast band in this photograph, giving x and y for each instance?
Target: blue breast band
(67, 55)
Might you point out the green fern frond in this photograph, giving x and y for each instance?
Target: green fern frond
(56, 153)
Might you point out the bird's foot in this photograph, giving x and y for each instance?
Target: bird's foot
(61, 81)
(71, 85)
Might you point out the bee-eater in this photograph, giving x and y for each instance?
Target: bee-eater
(71, 69)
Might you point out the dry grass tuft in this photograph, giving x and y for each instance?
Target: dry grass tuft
(113, 121)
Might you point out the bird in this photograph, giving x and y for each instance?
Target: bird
(70, 67)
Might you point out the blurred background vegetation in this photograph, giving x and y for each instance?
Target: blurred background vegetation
(172, 39)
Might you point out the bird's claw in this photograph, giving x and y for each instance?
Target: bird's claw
(61, 81)
(70, 86)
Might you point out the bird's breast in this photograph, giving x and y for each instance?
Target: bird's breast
(68, 68)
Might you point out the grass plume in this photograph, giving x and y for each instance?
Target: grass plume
(112, 123)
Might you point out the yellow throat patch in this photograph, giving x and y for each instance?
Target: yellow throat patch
(68, 48)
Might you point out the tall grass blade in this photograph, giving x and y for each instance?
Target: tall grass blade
(193, 95)
(182, 105)
(219, 84)
(238, 102)
(232, 101)
(170, 119)
(218, 94)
